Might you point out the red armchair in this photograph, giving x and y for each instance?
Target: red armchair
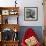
(29, 34)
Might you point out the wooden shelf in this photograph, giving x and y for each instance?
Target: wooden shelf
(4, 13)
(3, 8)
(9, 9)
(10, 43)
(11, 26)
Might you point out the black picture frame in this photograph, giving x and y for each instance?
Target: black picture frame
(30, 13)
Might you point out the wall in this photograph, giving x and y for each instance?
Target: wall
(6, 3)
(30, 3)
(26, 3)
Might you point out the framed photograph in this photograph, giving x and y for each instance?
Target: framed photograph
(5, 12)
(30, 13)
(13, 12)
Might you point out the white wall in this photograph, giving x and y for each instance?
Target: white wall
(32, 3)
(26, 3)
(6, 3)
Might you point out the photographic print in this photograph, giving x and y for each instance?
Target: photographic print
(31, 13)
(5, 12)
